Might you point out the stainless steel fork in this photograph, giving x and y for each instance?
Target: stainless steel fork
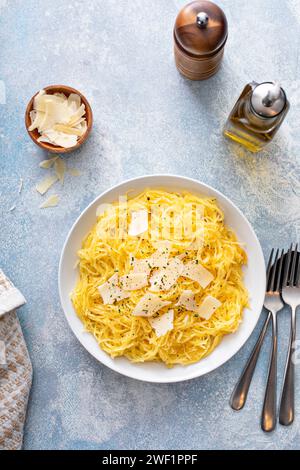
(273, 304)
(291, 296)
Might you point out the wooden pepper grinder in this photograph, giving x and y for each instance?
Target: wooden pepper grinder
(200, 34)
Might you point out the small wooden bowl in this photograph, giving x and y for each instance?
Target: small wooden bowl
(35, 134)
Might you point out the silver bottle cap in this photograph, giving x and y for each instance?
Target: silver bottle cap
(268, 99)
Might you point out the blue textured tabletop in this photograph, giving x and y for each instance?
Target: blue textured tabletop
(148, 119)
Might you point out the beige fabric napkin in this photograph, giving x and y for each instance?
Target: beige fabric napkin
(15, 368)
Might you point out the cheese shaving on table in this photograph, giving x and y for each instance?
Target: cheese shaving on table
(46, 164)
(46, 184)
(187, 300)
(195, 271)
(134, 281)
(148, 305)
(60, 169)
(139, 222)
(208, 307)
(163, 323)
(59, 120)
(111, 292)
(52, 201)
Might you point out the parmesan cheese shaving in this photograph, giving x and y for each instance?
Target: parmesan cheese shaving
(208, 307)
(46, 164)
(58, 138)
(195, 271)
(164, 278)
(134, 281)
(187, 300)
(163, 323)
(161, 256)
(52, 201)
(140, 265)
(157, 260)
(67, 129)
(149, 305)
(111, 292)
(60, 169)
(139, 222)
(46, 184)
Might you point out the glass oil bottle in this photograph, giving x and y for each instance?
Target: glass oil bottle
(257, 115)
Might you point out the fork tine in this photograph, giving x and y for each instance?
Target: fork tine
(292, 273)
(279, 271)
(269, 268)
(287, 263)
(297, 276)
(273, 273)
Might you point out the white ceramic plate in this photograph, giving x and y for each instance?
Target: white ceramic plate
(254, 280)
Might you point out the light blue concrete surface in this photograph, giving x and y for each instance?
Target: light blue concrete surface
(147, 119)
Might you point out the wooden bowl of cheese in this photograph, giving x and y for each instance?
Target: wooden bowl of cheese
(58, 119)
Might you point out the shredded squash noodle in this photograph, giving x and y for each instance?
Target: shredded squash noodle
(108, 252)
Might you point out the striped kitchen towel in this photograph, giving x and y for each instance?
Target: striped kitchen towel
(15, 368)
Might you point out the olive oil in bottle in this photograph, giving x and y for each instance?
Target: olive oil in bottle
(257, 115)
